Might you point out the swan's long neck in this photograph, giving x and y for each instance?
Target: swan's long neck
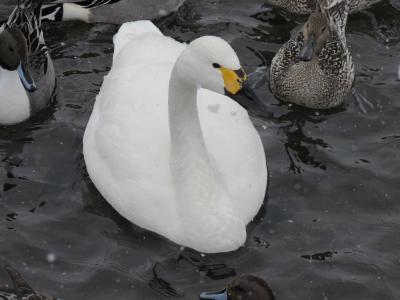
(190, 161)
(207, 215)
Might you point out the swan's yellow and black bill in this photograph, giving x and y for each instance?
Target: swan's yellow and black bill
(233, 80)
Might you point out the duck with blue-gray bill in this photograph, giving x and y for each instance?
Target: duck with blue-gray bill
(306, 7)
(108, 11)
(245, 287)
(20, 289)
(27, 78)
(314, 68)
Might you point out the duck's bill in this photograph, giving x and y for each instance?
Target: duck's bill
(307, 53)
(222, 295)
(26, 77)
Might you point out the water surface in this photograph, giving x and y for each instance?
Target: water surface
(330, 226)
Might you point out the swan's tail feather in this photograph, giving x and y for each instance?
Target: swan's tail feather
(132, 30)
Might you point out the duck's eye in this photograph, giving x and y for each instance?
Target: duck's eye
(217, 66)
(323, 29)
(11, 49)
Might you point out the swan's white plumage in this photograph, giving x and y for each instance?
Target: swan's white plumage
(127, 144)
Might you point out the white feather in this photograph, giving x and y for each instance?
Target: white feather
(75, 12)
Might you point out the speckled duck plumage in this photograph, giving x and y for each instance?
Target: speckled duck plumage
(20, 289)
(324, 81)
(306, 7)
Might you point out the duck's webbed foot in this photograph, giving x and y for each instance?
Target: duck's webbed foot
(363, 103)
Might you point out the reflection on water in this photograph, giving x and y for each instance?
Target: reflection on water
(328, 231)
(299, 146)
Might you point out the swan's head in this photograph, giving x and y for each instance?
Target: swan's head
(211, 63)
(14, 55)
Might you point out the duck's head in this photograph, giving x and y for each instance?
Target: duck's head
(246, 287)
(316, 32)
(14, 55)
(211, 63)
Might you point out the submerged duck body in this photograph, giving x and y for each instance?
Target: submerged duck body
(21, 290)
(109, 11)
(181, 161)
(306, 7)
(245, 287)
(315, 68)
(27, 77)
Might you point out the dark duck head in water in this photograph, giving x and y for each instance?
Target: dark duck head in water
(245, 287)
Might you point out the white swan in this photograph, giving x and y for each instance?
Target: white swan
(192, 171)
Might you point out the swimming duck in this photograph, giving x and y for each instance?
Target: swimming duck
(21, 290)
(315, 68)
(167, 149)
(245, 287)
(27, 76)
(306, 7)
(108, 11)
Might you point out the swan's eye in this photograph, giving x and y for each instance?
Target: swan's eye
(217, 66)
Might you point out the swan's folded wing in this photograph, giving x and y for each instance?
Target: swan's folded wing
(129, 126)
(237, 150)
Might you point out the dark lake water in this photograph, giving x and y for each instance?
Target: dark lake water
(330, 228)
